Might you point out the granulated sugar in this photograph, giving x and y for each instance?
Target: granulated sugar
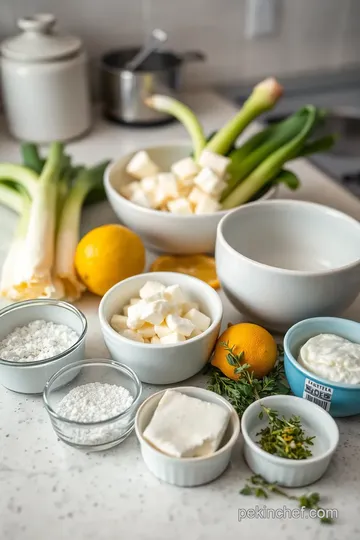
(95, 402)
(37, 341)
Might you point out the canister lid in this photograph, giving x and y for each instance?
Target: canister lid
(38, 43)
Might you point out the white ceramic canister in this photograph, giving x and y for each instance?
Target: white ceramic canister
(45, 83)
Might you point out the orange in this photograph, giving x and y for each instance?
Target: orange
(200, 266)
(107, 255)
(257, 346)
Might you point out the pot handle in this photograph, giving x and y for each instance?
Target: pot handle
(192, 56)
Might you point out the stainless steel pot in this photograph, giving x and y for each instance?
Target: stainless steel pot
(124, 91)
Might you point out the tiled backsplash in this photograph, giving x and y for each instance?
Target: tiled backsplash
(313, 34)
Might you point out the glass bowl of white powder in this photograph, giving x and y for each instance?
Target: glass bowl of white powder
(37, 338)
(92, 403)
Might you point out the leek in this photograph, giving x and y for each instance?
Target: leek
(263, 98)
(23, 176)
(185, 115)
(68, 233)
(31, 158)
(35, 276)
(11, 197)
(272, 165)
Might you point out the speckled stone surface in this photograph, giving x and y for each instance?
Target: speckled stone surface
(51, 491)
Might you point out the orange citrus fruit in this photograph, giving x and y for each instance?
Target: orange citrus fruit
(251, 344)
(107, 255)
(199, 266)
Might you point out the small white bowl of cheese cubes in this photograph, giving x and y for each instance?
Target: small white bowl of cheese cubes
(163, 325)
(172, 202)
(186, 435)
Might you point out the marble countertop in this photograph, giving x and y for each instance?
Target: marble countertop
(49, 490)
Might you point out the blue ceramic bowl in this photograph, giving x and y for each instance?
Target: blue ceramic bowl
(337, 398)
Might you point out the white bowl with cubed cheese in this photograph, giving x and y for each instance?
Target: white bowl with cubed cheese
(162, 363)
(163, 231)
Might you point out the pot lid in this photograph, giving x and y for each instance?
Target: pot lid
(37, 42)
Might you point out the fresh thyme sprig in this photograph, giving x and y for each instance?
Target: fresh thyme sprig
(262, 489)
(247, 389)
(284, 438)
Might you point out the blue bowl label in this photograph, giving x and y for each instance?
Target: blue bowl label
(318, 393)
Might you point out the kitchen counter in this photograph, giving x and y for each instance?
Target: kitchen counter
(48, 490)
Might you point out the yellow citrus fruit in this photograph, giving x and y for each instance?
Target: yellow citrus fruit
(107, 255)
(257, 346)
(199, 266)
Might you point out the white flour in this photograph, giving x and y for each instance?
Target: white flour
(95, 402)
(37, 340)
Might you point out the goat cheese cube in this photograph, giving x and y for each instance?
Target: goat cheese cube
(155, 297)
(196, 195)
(185, 168)
(209, 182)
(134, 301)
(150, 288)
(118, 322)
(140, 166)
(167, 182)
(189, 305)
(180, 325)
(134, 314)
(162, 330)
(146, 331)
(131, 334)
(180, 206)
(148, 184)
(207, 205)
(174, 337)
(128, 190)
(140, 198)
(184, 426)
(154, 312)
(155, 340)
(196, 332)
(174, 294)
(214, 161)
(126, 310)
(199, 320)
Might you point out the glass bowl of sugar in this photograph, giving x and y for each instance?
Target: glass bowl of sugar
(92, 403)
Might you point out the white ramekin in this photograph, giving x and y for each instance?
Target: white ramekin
(186, 472)
(290, 472)
(31, 377)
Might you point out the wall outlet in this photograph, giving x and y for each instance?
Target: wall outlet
(261, 18)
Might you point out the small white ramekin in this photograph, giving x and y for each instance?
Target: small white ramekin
(31, 377)
(290, 472)
(186, 472)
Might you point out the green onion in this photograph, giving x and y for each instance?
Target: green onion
(263, 97)
(185, 115)
(272, 165)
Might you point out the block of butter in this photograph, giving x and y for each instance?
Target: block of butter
(184, 426)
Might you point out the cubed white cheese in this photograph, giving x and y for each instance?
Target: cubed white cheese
(126, 310)
(180, 206)
(140, 198)
(162, 330)
(189, 305)
(131, 334)
(196, 332)
(180, 325)
(128, 190)
(167, 183)
(199, 320)
(150, 288)
(118, 322)
(148, 184)
(155, 340)
(207, 205)
(216, 162)
(174, 337)
(146, 331)
(184, 168)
(209, 182)
(134, 301)
(134, 314)
(141, 165)
(154, 312)
(196, 195)
(184, 426)
(174, 294)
